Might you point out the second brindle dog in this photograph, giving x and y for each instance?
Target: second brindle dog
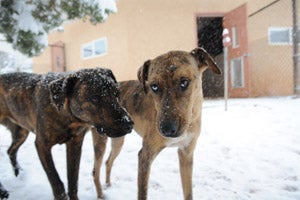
(60, 108)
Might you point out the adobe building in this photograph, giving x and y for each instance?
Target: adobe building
(260, 57)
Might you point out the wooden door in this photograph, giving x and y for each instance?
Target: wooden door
(58, 57)
(238, 53)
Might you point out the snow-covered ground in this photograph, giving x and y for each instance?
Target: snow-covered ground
(251, 151)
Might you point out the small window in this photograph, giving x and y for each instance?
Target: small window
(235, 38)
(282, 36)
(279, 35)
(237, 73)
(87, 51)
(95, 48)
(58, 63)
(100, 47)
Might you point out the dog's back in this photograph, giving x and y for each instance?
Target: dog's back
(18, 79)
(25, 81)
(16, 92)
(16, 84)
(17, 96)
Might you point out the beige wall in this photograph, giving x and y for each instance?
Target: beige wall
(143, 29)
(140, 30)
(271, 66)
(134, 34)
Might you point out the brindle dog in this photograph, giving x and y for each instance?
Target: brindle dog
(165, 105)
(60, 108)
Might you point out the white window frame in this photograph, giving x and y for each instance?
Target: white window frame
(274, 29)
(235, 38)
(93, 49)
(86, 47)
(290, 38)
(242, 72)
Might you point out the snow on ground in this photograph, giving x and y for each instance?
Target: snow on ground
(251, 151)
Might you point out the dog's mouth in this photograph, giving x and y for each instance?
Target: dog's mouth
(112, 132)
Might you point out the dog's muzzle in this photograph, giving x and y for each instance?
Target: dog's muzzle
(169, 129)
(126, 123)
(121, 128)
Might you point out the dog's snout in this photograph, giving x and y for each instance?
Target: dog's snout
(127, 124)
(169, 129)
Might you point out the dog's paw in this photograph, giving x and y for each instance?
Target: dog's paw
(3, 194)
(62, 196)
(17, 169)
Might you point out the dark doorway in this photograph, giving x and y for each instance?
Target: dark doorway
(210, 38)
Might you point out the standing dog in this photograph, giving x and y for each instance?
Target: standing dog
(60, 108)
(165, 105)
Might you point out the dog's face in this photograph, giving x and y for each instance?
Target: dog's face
(173, 81)
(91, 95)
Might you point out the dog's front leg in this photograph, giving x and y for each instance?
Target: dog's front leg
(99, 150)
(146, 156)
(44, 152)
(186, 170)
(116, 146)
(73, 161)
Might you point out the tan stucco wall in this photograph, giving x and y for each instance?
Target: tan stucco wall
(271, 65)
(140, 30)
(143, 29)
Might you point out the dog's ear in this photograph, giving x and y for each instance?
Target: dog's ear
(143, 74)
(59, 89)
(205, 59)
(111, 75)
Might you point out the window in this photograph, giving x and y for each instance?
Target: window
(58, 62)
(95, 48)
(298, 36)
(282, 35)
(100, 47)
(235, 39)
(237, 73)
(279, 36)
(87, 51)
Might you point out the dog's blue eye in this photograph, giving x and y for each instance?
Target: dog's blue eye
(184, 83)
(154, 88)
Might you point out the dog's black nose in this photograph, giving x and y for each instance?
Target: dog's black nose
(127, 124)
(169, 129)
(127, 127)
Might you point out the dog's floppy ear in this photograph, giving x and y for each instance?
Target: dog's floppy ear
(143, 74)
(110, 74)
(205, 59)
(59, 89)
